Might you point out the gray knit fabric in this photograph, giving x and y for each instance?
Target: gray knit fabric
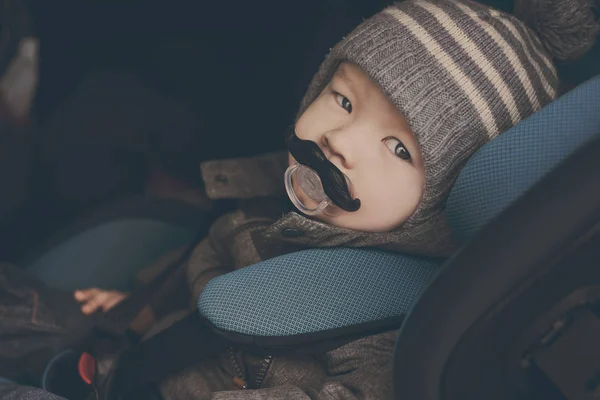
(461, 74)
(568, 28)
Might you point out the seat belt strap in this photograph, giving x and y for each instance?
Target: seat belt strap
(116, 321)
(143, 365)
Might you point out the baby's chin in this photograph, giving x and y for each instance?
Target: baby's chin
(341, 220)
(322, 217)
(354, 222)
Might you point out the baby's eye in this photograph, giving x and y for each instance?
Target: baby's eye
(343, 102)
(397, 148)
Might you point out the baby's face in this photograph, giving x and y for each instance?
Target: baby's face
(364, 135)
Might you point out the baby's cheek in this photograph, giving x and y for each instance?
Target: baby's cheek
(413, 192)
(387, 208)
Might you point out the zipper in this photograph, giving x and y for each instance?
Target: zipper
(239, 381)
(260, 377)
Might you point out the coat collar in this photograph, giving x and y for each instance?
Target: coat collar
(431, 239)
(262, 177)
(245, 178)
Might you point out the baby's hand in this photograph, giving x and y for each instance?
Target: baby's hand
(93, 299)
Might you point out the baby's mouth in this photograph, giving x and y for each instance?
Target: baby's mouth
(334, 183)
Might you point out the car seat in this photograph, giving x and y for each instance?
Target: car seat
(316, 299)
(107, 249)
(514, 314)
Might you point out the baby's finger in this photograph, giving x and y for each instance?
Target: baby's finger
(85, 294)
(90, 307)
(114, 299)
(97, 301)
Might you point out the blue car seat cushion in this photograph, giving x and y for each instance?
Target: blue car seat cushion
(106, 248)
(323, 290)
(110, 258)
(315, 290)
(502, 170)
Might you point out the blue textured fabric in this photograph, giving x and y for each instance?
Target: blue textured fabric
(314, 290)
(505, 168)
(107, 256)
(12, 391)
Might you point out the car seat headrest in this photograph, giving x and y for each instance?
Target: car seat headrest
(316, 290)
(502, 170)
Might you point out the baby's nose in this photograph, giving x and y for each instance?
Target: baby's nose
(341, 146)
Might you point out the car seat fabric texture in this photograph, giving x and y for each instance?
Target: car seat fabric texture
(501, 171)
(107, 256)
(315, 290)
(323, 289)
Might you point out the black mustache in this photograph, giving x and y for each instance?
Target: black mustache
(308, 153)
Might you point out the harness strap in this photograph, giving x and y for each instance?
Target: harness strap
(117, 320)
(143, 365)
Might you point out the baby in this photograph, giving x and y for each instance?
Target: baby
(392, 115)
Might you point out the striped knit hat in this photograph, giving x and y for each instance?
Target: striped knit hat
(461, 73)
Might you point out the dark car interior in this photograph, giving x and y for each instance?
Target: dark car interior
(131, 97)
(176, 81)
